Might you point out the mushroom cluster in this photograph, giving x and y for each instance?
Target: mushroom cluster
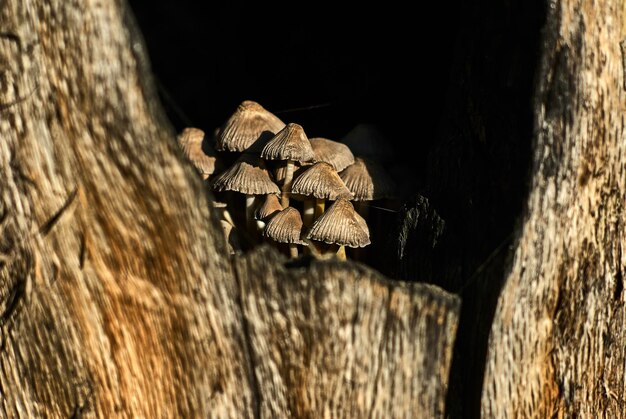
(283, 187)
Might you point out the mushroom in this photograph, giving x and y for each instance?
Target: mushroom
(332, 152)
(231, 237)
(340, 226)
(198, 150)
(322, 182)
(269, 208)
(246, 176)
(222, 210)
(248, 128)
(289, 144)
(228, 226)
(286, 227)
(368, 181)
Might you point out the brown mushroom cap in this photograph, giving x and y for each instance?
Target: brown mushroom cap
(271, 205)
(198, 149)
(368, 180)
(290, 143)
(322, 182)
(332, 152)
(248, 128)
(285, 227)
(246, 176)
(341, 225)
(369, 141)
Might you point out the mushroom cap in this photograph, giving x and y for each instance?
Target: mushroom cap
(368, 140)
(332, 152)
(290, 143)
(341, 225)
(322, 182)
(271, 205)
(248, 128)
(285, 227)
(368, 180)
(198, 149)
(248, 176)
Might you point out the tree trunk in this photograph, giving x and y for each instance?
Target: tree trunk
(557, 345)
(339, 340)
(117, 295)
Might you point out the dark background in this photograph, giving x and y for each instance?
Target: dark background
(321, 66)
(452, 87)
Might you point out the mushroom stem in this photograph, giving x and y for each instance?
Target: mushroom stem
(230, 235)
(250, 212)
(284, 199)
(309, 212)
(341, 253)
(226, 229)
(279, 175)
(293, 250)
(226, 216)
(260, 226)
(319, 207)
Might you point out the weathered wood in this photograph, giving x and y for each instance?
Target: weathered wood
(117, 297)
(109, 303)
(557, 344)
(338, 339)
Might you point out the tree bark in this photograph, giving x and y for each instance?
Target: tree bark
(339, 340)
(117, 295)
(556, 347)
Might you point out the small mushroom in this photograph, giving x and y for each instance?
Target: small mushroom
(332, 152)
(340, 226)
(246, 176)
(368, 181)
(230, 234)
(198, 150)
(248, 128)
(270, 207)
(322, 182)
(290, 144)
(228, 227)
(222, 210)
(286, 227)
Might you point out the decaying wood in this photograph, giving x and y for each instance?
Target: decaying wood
(337, 339)
(557, 343)
(117, 297)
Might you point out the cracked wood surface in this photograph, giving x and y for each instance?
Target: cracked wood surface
(557, 342)
(339, 340)
(117, 298)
